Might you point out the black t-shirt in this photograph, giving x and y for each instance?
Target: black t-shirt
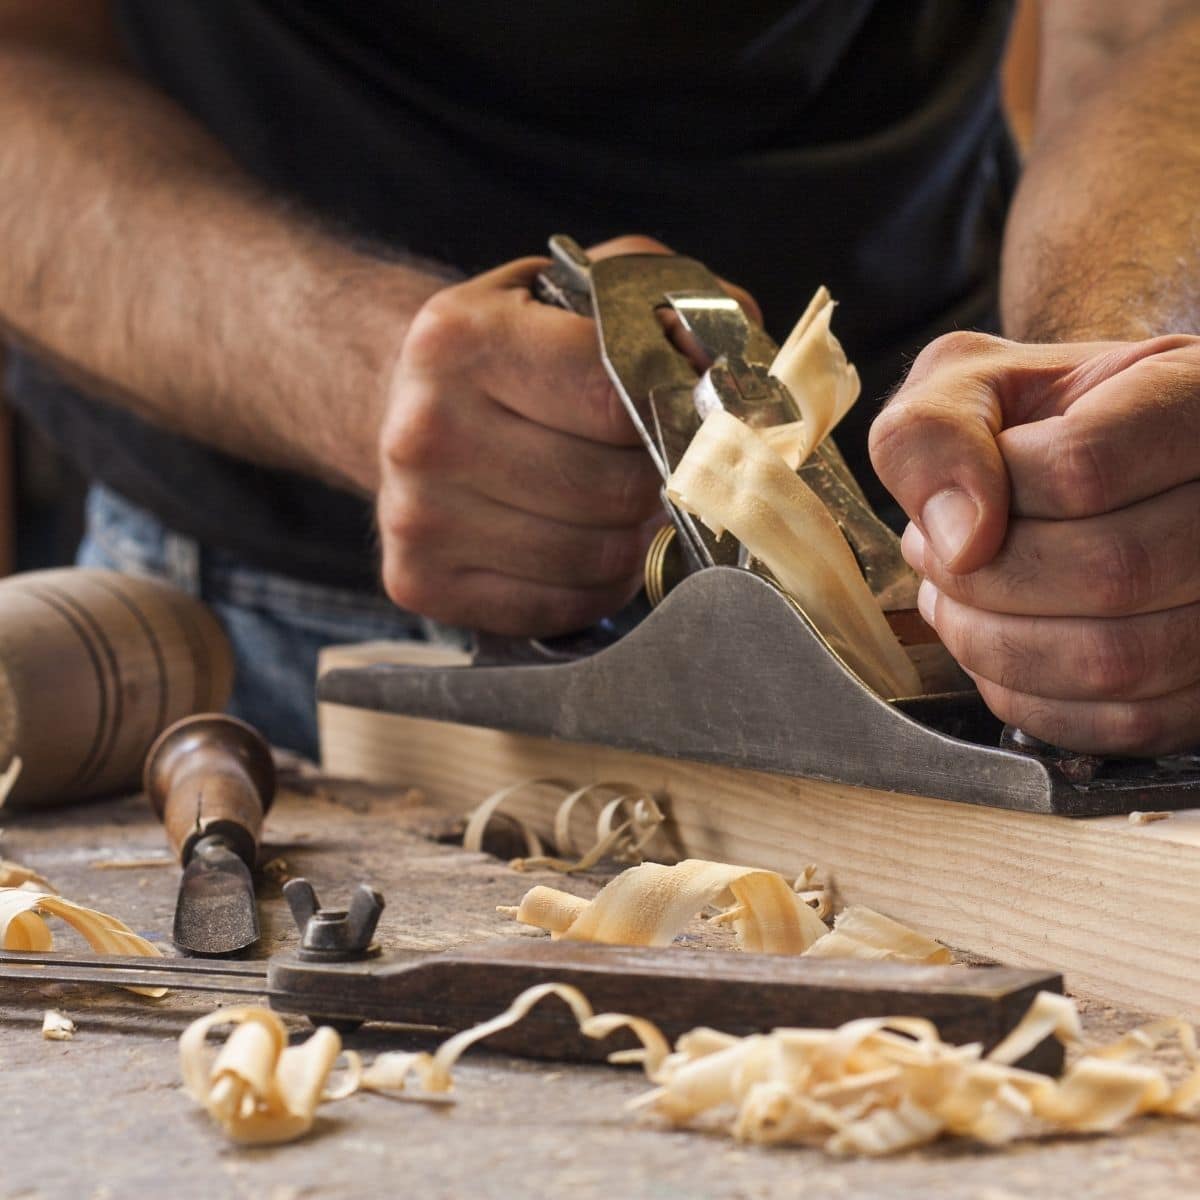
(786, 143)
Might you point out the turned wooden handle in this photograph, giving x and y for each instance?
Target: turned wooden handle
(210, 775)
(93, 666)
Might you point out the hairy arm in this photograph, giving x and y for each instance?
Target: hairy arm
(138, 257)
(1104, 236)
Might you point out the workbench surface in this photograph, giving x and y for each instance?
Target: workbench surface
(103, 1115)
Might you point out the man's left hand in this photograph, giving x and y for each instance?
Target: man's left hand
(1054, 497)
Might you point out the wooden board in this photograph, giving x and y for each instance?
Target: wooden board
(1113, 906)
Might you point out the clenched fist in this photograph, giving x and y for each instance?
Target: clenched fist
(515, 495)
(1054, 497)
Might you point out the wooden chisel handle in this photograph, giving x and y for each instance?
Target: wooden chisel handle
(211, 775)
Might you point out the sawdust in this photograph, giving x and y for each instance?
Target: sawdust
(57, 1027)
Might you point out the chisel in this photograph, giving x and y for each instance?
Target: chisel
(211, 779)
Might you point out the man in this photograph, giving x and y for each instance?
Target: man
(239, 227)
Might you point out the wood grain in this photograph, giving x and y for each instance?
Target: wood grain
(679, 991)
(93, 666)
(1113, 906)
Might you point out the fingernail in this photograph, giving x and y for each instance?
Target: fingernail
(927, 597)
(912, 547)
(949, 519)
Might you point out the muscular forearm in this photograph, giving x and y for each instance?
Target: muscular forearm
(138, 257)
(1103, 240)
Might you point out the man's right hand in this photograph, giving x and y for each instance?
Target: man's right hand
(515, 494)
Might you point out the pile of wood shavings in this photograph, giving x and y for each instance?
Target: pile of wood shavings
(628, 819)
(875, 1086)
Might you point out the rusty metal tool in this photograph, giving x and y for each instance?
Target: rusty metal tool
(211, 779)
(339, 976)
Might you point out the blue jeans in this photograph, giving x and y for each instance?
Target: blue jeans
(276, 624)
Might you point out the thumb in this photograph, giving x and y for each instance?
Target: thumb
(934, 448)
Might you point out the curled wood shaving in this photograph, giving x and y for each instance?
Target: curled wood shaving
(8, 779)
(732, 479)
(863, 933)
(482, 816)
(259, 1089)
(816, 893)
(1147, 818)
(651, 904)
(14, 875)
(57, 1027)
(22, 927)
(391, 1072)
(813, 366)
(625, 825)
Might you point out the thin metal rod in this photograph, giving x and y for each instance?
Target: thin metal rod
(222, 969)
(119, 977)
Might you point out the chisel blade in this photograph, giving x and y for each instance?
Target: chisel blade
(216, 912)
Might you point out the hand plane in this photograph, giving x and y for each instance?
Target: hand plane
(725, 667)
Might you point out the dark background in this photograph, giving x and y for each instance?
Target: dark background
(41, 494)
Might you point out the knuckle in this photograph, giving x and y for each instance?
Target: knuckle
(619, 556)
(630, 243)
(1117, 573)
(1038, 716)
(600, 399)
(1078, 476)
(951, 350)
(1014, 669)
(443, 332)
(406, 520)
(1112, 660)
(1163, 343)
(890, 441)
(637, 495)
(906, 427)
(417, 429)
(1131, 728)
(407, 586)
(1000, 700)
